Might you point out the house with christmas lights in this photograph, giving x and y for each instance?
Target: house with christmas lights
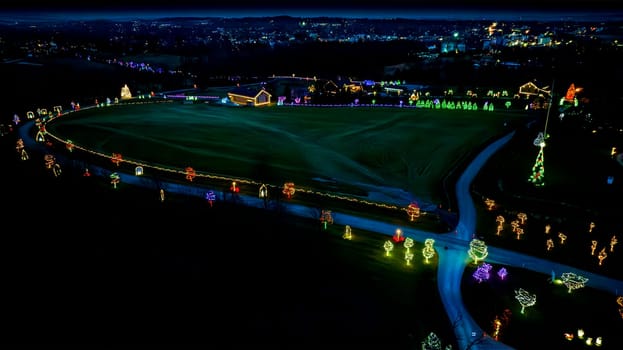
(246, 96)
(538, 97)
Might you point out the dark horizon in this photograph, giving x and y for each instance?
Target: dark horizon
(550, 10)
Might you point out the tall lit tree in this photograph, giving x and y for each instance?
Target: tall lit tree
(477, 250)
(525, 299)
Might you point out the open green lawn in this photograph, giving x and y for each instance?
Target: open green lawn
(390, 155)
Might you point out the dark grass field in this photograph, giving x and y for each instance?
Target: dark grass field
(90, 264)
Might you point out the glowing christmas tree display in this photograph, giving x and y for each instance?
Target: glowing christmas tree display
(602, 255)
(573, 281)
(538, 169)
(348, 233)
(326, 218)
(500, 221)
(190, 173)
(549, 244)
(125, 92)
(522, 218)
(388, 246)
(525, 299)
(116, 158)
(413, 210)
(428, 251)
(115, 179)
(70, 145)
(483, 272)
(477, 250)
(408, 244)
(288, 189)
(431, 342)
(408, 257)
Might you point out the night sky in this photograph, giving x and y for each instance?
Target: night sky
(448, 9)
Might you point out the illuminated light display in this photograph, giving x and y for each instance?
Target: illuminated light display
(573, 281)
(514, 225)
(86, 172)
(138, 170)
(548, 228)
(398, 237)
(56, 170)
(523, 217)
(497, 328)
(549, 244)
(413, 210)
(428, 251)
(591, 226)
(40, 136)
(593, 247)
(613, 242)
(125, 92)
(161, 195)
(388, 246)
(58, 110)
(490, 204)
(210, 197)
(30, 115)
(525, 298)
(263, 193)
(49, 160)
(69, 145)
(234, 187)
(431, 342)
(602, 255)
(288, 189)
(502, 273)
(116, 158)
(483, 272)
(408, 257)
(408, 243)
(562, 237)
(114, 179)
(190, 173)
(326, 218)
(16, 119)
(519, 231)
(500, 221)
(348, 233)
(477, 250)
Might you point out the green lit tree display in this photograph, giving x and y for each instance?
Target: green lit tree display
(428, 251)
(525, 299)
(477, 250)
(573, 281)
(389, 246)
